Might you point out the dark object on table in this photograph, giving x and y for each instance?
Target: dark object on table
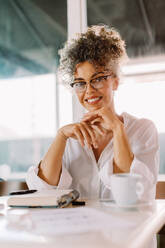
(78, 203)
(23, 192)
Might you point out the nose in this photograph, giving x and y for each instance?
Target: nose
(89, 89)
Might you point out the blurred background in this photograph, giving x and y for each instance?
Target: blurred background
(32, 103)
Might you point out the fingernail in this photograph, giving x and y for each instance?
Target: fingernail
(89, 146)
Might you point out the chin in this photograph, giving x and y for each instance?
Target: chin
(93, 107)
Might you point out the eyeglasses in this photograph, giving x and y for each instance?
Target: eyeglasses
(96, 83)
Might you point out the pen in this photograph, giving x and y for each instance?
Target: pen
(74, 203)
(23, 192)
(18, 206)
(78, 203)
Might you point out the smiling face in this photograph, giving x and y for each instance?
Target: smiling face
(91, 98)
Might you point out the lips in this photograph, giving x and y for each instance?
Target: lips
(93, 100)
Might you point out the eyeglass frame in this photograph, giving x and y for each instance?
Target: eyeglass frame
(90, 82)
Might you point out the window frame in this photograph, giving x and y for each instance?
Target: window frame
(77, 23)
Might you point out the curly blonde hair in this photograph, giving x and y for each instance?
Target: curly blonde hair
(100, 45)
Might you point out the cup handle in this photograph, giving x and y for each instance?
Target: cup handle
(139, 189)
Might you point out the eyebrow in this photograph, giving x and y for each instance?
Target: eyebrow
(96, 73)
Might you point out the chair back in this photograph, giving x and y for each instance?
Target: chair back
(160, 190)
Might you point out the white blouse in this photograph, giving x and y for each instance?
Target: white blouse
(92, 179)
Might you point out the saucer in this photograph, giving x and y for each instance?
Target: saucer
(112, 203)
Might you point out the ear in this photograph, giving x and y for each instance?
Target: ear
(115, 83)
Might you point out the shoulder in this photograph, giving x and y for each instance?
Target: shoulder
(140, 128)
(140, 123)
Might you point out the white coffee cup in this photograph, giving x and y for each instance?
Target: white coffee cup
(126, 188)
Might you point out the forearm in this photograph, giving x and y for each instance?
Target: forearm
(51, 165)
(123, 155)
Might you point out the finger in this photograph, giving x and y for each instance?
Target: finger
(91, 133)
(99, 129)
(90, 116)
(86, 135)
(79, 136)
(97, 120)
(95, 112)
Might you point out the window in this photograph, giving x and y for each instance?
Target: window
(142, 94)
(145, 100)
(32, 104)
(31, 34)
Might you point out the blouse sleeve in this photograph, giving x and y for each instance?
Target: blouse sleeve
(146, 157)
(35, 182)
(144, 143)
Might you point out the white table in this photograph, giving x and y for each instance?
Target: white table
(146, 221)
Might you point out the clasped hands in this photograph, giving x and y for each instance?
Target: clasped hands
(92, 127)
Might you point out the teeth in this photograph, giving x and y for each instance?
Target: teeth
(93, 99)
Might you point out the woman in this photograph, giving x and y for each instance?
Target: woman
(85, 154)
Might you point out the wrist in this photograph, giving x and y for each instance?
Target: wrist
(118, 127)
(61, 134)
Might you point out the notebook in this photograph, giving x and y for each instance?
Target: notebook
(45, 198)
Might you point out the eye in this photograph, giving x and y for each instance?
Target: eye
(79, 84)
(99, 79)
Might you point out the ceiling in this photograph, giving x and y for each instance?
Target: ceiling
(32, 31)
